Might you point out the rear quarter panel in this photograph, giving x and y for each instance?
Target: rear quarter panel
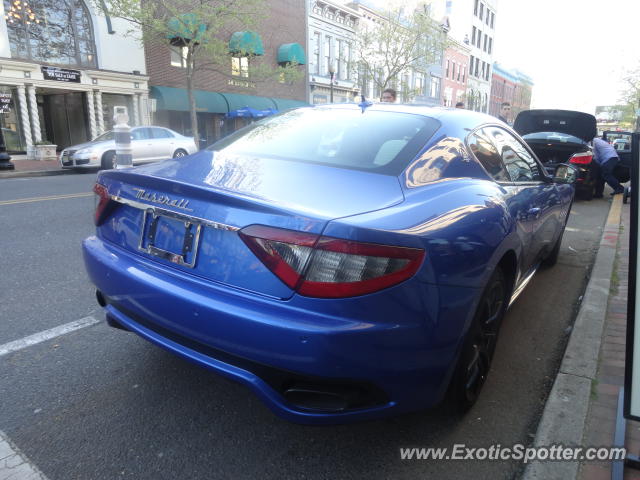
(463, 224)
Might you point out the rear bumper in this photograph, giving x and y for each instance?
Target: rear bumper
(399, 357)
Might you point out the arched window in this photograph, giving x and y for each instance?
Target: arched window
(58, 33)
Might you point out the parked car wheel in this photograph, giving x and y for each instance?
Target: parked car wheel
(108, 160)
(586, 193)
(479, 345)
(179, 153)
(552, 258)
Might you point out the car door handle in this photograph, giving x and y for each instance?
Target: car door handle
(535, 211)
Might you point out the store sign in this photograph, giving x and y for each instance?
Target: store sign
(5, 102)
(632, 360)
(61, 74)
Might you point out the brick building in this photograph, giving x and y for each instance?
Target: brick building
(218, 93)
(503, 86)
(454, 81)
(511, 86)
(522, 94)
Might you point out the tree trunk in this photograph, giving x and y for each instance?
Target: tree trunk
(192, 99)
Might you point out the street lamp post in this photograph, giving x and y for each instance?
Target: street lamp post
(332, 72)
(5, 159)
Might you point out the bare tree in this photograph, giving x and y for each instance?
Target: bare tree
(396, 41)
(631, 98)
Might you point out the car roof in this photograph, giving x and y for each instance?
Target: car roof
(439, 113)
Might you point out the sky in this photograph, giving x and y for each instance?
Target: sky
(576, 51)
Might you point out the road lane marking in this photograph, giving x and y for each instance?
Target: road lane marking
(44, 199)
(14, 464)
(615, 211)
(45, 335)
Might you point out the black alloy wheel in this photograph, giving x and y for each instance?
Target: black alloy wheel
(179, 153)
(108, 160)
(552, 257)
(480, 344)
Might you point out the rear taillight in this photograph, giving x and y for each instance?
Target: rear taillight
(103, 203)
(330, 267)
(583, 158)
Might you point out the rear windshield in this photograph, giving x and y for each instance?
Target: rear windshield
(378, 141)
(553, 137)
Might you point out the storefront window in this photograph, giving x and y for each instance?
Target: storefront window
(10, 121)
(58, 33)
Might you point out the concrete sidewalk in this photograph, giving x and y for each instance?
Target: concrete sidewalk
(33, 168)
(600, 425)
(581, 408)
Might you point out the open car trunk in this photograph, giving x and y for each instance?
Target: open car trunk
(553, 154)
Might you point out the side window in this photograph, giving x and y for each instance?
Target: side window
(140, 134)
(485, 151)
(160, 133)
(520, 165)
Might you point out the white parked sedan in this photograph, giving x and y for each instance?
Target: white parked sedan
(149, 144)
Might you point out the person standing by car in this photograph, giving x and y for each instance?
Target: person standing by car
(505, 109)
(606, 158)
(389, 95)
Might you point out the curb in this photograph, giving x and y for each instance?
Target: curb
(565, 413)
(34, 173)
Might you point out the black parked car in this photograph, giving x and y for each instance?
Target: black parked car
(621, 141)
(561, 136)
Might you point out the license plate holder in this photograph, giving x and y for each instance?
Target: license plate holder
(171, 237)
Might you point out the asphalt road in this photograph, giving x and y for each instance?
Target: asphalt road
(100, 403)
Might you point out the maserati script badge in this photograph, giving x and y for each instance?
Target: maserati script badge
(180, 203)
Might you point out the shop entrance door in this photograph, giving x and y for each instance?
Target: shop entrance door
(65, 119)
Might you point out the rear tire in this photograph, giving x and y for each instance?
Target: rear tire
(108, 161)
(551, 259)
(180, 153)
(479, 344)
(587, 193)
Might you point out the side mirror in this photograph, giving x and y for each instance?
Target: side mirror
(565, 173)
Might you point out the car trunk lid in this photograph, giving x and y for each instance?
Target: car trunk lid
(218, 196)
(579, 124)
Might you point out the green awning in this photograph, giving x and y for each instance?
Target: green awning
(186, 26)
(236, 101)
(169, 98)
(246, 43)
(291, 52)
(286, 104)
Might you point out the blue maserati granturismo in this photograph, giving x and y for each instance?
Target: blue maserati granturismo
(345, 262)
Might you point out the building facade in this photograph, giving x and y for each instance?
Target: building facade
(420, 82)
(332, 30)
(473, 23)
(218, 94)
(455, 70)
(64, 69)
(511, 86)
(522, 93)
(503, 87)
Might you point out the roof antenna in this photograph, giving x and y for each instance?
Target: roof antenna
(364, 103)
